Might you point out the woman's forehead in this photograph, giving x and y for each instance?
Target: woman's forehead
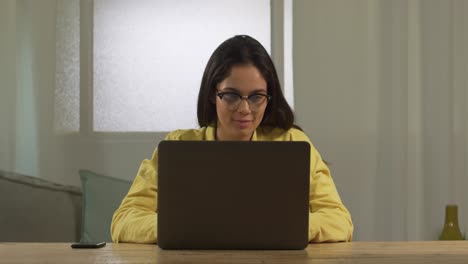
(244, 77)
(236, 90)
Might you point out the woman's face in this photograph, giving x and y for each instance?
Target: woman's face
(238, 121)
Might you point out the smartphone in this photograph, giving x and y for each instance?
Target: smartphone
(88, 245)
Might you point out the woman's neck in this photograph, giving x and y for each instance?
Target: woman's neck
(220, 136)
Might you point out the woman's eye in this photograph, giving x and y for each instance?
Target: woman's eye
(230, 97)
(256, 98)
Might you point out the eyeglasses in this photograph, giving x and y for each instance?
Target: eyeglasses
(233, 100)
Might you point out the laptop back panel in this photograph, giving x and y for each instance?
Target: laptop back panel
(233, 195)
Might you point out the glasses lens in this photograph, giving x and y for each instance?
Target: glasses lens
(233, 100)
(257, 99)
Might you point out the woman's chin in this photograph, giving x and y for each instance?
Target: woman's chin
(244, 134)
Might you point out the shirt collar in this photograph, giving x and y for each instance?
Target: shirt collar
(254, 136)
(210, 133)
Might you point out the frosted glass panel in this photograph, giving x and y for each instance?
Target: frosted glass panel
(67, 73)
(149, 57)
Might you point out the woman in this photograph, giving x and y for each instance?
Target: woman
(240, 99)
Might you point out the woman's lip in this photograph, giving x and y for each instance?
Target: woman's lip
(243, 124)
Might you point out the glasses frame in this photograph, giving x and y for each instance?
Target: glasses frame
(243, 97)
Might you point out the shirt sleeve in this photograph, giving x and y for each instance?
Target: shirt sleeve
(329, 220)
(136, 218)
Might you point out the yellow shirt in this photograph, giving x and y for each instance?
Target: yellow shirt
(136, 218)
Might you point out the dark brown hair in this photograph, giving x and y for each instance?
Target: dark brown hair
(242, 50)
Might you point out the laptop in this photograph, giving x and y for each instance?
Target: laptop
(233, 195)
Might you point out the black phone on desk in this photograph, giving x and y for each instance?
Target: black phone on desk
(88, 245)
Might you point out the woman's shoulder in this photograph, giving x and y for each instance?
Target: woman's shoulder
(188, 134)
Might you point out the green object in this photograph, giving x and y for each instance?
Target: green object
(451, 230)
(102, 195)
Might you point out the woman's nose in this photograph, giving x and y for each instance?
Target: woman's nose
(244, 107)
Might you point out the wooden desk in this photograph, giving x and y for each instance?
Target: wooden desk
(354, 252)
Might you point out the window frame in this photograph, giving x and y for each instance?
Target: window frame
(281, 39)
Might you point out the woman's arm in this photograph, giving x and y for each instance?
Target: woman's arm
(136, 218)
(329, 220)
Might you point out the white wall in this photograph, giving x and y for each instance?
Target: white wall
(335, 96)
(8, 81)
(380, 87)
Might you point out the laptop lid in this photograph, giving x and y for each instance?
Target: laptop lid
(233, 195)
